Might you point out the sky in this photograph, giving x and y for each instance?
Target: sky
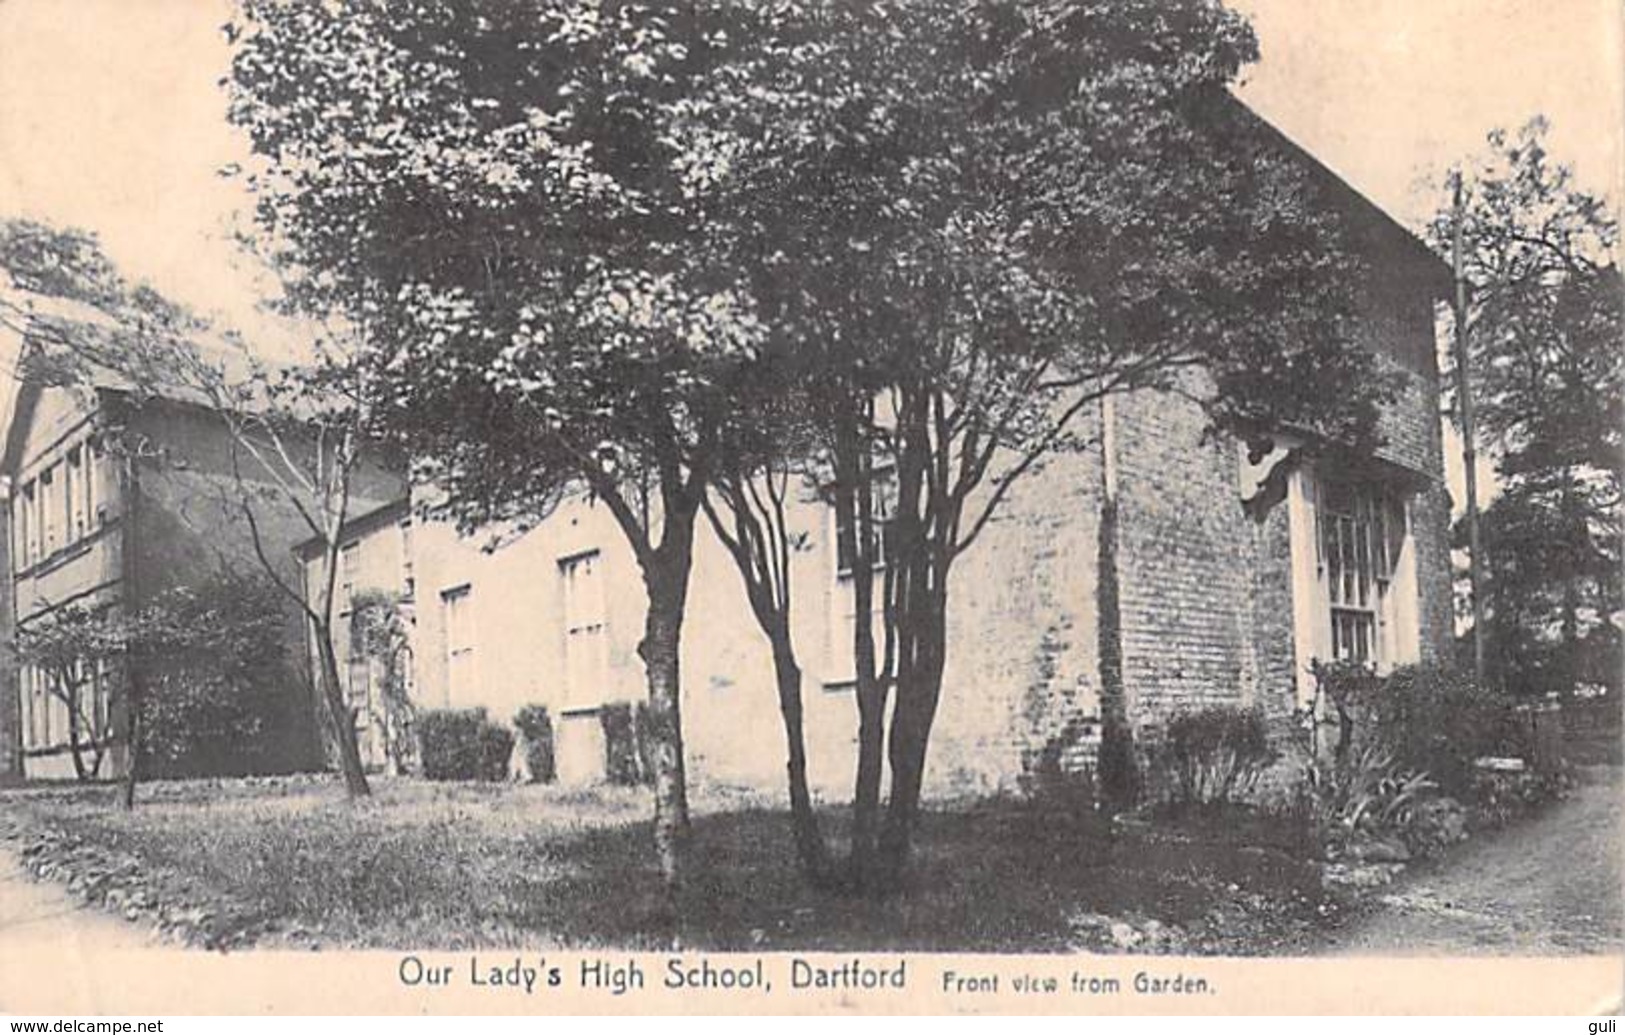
(112, 119)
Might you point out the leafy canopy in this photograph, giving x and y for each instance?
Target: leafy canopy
(575, 231)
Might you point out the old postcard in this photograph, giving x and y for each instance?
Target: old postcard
(764, 506)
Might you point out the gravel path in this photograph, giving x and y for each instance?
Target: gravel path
(33, 912)
(1549, 886)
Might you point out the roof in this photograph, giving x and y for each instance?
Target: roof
(381, 516)
(1373, 230)
(74, 345)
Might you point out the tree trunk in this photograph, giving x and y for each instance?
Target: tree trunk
(810, 849)
(132, 741)
(919, 689)
(79, 771)
(134, 676)
(1574, 526)
(355, 777)
(665, 577)
(854, 497)
(662, 633)
(871, 701)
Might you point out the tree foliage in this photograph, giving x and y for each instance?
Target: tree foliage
(224, 694)
(578, 233)
(220, 696)
(1548, 378)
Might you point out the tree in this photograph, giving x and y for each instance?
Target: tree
(219, 675)
(216, 666)
(1544, 330)
(516, 201)
(299, 441)
(69, 308)
(1014, 214)
(578, 231)
(759, 464)
(76, 650)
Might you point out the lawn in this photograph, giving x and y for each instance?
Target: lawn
(442, 866)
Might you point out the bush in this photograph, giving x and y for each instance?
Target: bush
(535, 724)
(1360, 792)
(221, 688)
(1427, 718)
(1062, 795)
(628, 742)
(1213, 756)
(1498, 797)
(463, 744)
(1435, 824)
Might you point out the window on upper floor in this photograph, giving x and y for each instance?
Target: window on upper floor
(349, 571)
(95, 471)
(408, 567)
(457, 638)
(25, 532)
(71, 473)
(884, 496)
(586, 641)
(82, 470)
(840, 670)
(50, 512)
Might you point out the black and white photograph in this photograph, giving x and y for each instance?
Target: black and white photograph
(806, 506)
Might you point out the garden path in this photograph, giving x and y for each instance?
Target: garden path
(1548, 886)
(40, 918)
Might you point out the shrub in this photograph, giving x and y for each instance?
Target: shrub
(1062, 795)
(1360, 791)
(378, 631)
(463, 744)
(1213, 756)
(536, 725)
(1428, 718)
(1436, 823)
(1499, 797)
(627, 743)
(1425, 719)
(222, 693)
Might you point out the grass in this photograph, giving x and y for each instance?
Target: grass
(446, 866)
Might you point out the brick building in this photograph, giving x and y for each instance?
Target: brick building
(1235, 573)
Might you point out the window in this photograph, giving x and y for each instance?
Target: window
(349, 566)
(881, 528)
(95, 507)
(25, 527)
(40, 697)
(840, 670)
(73, 509)
(586, 657)
(49, 510)
(1355, 591)
(1361, 535)
(408, 573)
(457, 629)
(101, 709)
(25, 682)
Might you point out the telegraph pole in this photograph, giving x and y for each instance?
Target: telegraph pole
(1469, 447)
